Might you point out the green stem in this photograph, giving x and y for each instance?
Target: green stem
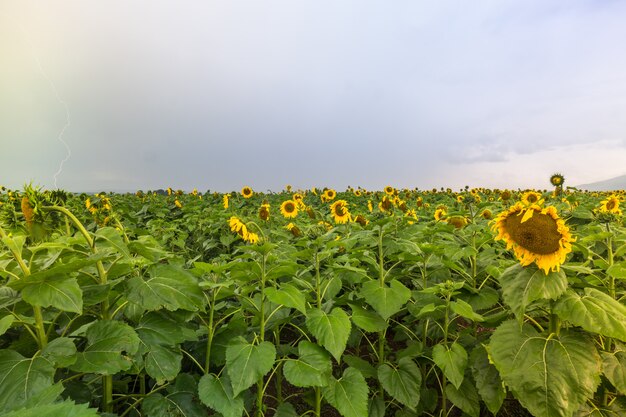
(260, 388)
(107, 393)
(555, 321)
(42, 337)
(318, 402)
(210, 334)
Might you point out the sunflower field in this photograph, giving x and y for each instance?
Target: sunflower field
(356, 303)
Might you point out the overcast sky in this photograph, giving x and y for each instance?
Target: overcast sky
(221, 94)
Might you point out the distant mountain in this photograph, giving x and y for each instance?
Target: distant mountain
(617, 183)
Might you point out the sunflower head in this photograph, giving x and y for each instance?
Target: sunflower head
(505, 195)
(225, 200)
(389, 190)
(531, 197)
(609, 208)
(294, 229)
(440, 214)
(247, 192)
(289, 209)
(339, 211)
(486, 214)
(535, 235)
(458, 222)
(264, 211)
(329, 194)
(360, 219)
(557, 180)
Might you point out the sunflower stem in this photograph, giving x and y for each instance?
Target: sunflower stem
(555, 321)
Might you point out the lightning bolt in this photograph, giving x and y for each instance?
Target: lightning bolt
(34, 54)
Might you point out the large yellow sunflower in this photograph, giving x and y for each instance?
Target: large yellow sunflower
(247, 192)
(610, 205)
(339, 211)
(535, 235)
(289, 209)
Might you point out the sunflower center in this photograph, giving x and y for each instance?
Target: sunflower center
(539, 234)
(340, 210)
(610, 205)
(532, 198)
(289, 207)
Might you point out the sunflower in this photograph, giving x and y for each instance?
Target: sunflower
(357, 193)
(339, 211)
(239, 227)
(293, 229)
(225, 201)
(531, 197)
(247, 192)
(385, 205)
(610, 205)
(412, 214)
(459, 198)
(486, 214)
(360, 219)
(264, 211)
(457, 221)
(557, 180)
(389, 190)
(535, 235)
(289, 209)
(178, 203)
(440, 214)
(505, 195)
(369, 205)
(329, 195)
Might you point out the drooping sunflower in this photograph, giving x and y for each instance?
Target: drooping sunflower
(535, 234)
(610, 205)
(247, 192)
(458, 222)
(293, 229)
(531, 197)
(289, 209)
(440, 214)
(239, 227)
(339, 211)
(385, 205)
(360, 219)
(557, 180)
(225, 200)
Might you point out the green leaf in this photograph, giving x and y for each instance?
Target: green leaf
(348, 394)
(217, 394)
(549, 375)
(22, 378)
(5, 323)
(452, 361)
(288, 296)
(364, 367)
(595, 312)
(286, 410)
(181, 400)
(617, 270)
(162, 363)
(386, 301)
(332, 330)
(64, 295)
(311, 369)
(109, 236)
(156, 328)
(614, 367)
(61, 352)
(368, 320)
(65, 409)
(58, 272)
(168, 287)
(463, 309)
(376, 406)
(465, 398)
(109, 345)
(402, 381)
(247, 363)
(488, 381)
(523, 285)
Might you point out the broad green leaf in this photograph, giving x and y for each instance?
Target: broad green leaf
(5, 323)
(108, 345)
(465, 398)
(247, 363)
(488, 381)
(156, 328)
(217, 394)
(162, 363)
(64, 295)
(22, 378)
(348, 394)
(65, 409)
(402, 381)
(523, 285)
(463, 309)
(8, 297)
(167, 287)
(386, 301)
(58, 272)
(614, 367)
(61, 352)
(452, 361)
(376, 406)
(364, 367)
(311, 369)
(617, 270)
(368, 320)
(15, 243)
(595, 312)
(109, 236)
(549, 375)
(286, 410)
(287, 295)
(331, 330)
